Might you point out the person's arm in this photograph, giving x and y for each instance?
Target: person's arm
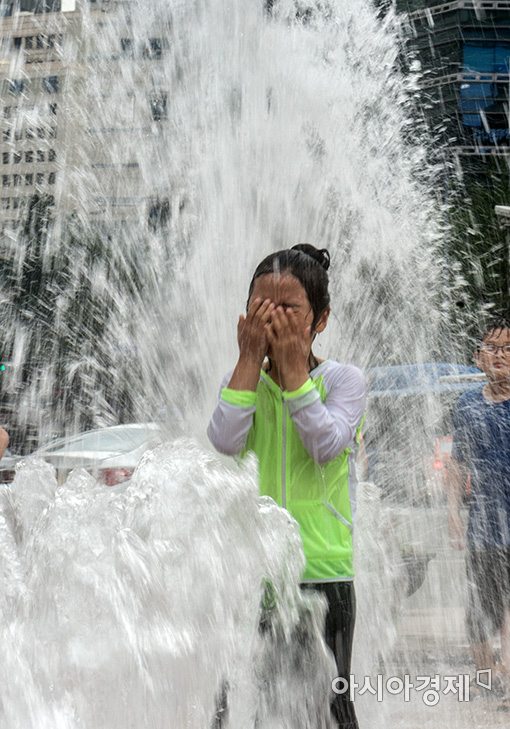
(252, 341)
(456, 477)
(233, 416)
(291, 345)
(4, 441)
(232, 419)
(328, 428)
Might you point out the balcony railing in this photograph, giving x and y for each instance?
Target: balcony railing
(466, 77)
(475, 5)
(475, 150)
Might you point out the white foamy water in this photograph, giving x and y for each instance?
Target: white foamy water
(131, 606)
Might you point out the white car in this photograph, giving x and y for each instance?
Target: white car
(109, 454)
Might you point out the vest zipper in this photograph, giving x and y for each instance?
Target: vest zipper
(284, 455)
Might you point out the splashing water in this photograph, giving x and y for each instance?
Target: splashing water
(199, 137)
(196, 138)
(127, 607)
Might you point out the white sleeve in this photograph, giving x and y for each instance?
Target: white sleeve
(231, 422)
(327, 428)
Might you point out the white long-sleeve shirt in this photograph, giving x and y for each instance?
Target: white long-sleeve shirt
(325, 428)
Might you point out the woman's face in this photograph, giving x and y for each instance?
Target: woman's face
(284, 290)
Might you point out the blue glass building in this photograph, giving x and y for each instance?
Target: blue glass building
(464, 51)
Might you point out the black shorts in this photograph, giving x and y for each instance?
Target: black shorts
(488, 574)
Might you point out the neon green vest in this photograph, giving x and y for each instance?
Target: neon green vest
(316, 496)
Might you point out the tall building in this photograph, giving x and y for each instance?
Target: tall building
(87, 142)
(11, 7)
(32, 76)
(70, 122)
(462, 51)
(463, 48)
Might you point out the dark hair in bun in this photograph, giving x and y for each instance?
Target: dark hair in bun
(321, 255)
(306, 263)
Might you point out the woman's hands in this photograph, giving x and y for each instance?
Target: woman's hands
(251, 330)
(252, 340)
(279, 331)
(290, 341)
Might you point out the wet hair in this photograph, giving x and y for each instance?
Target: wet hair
(306, 263)
(494, 325)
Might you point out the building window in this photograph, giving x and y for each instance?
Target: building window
(6, 181)
(29, 179)
(48, 6)
(6, 201)
(6, 134)
(158, 107)
(17, 157)
(29, 156)
(158, 214)
(153, 49)
(126, 46)
(5, 158)
(16, 86)
(52, 133)
(51, 178)
(17, 42)
(39, 178)
(40, 132)
(40, 41)
(484, 99)
(18, 134)
(40, 155)
(29, 133)
(52, 109)
(52, 155)
(29, 42)
(50, 84)
(16, 180)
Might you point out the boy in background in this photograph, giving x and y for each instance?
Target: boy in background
(481, 450)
